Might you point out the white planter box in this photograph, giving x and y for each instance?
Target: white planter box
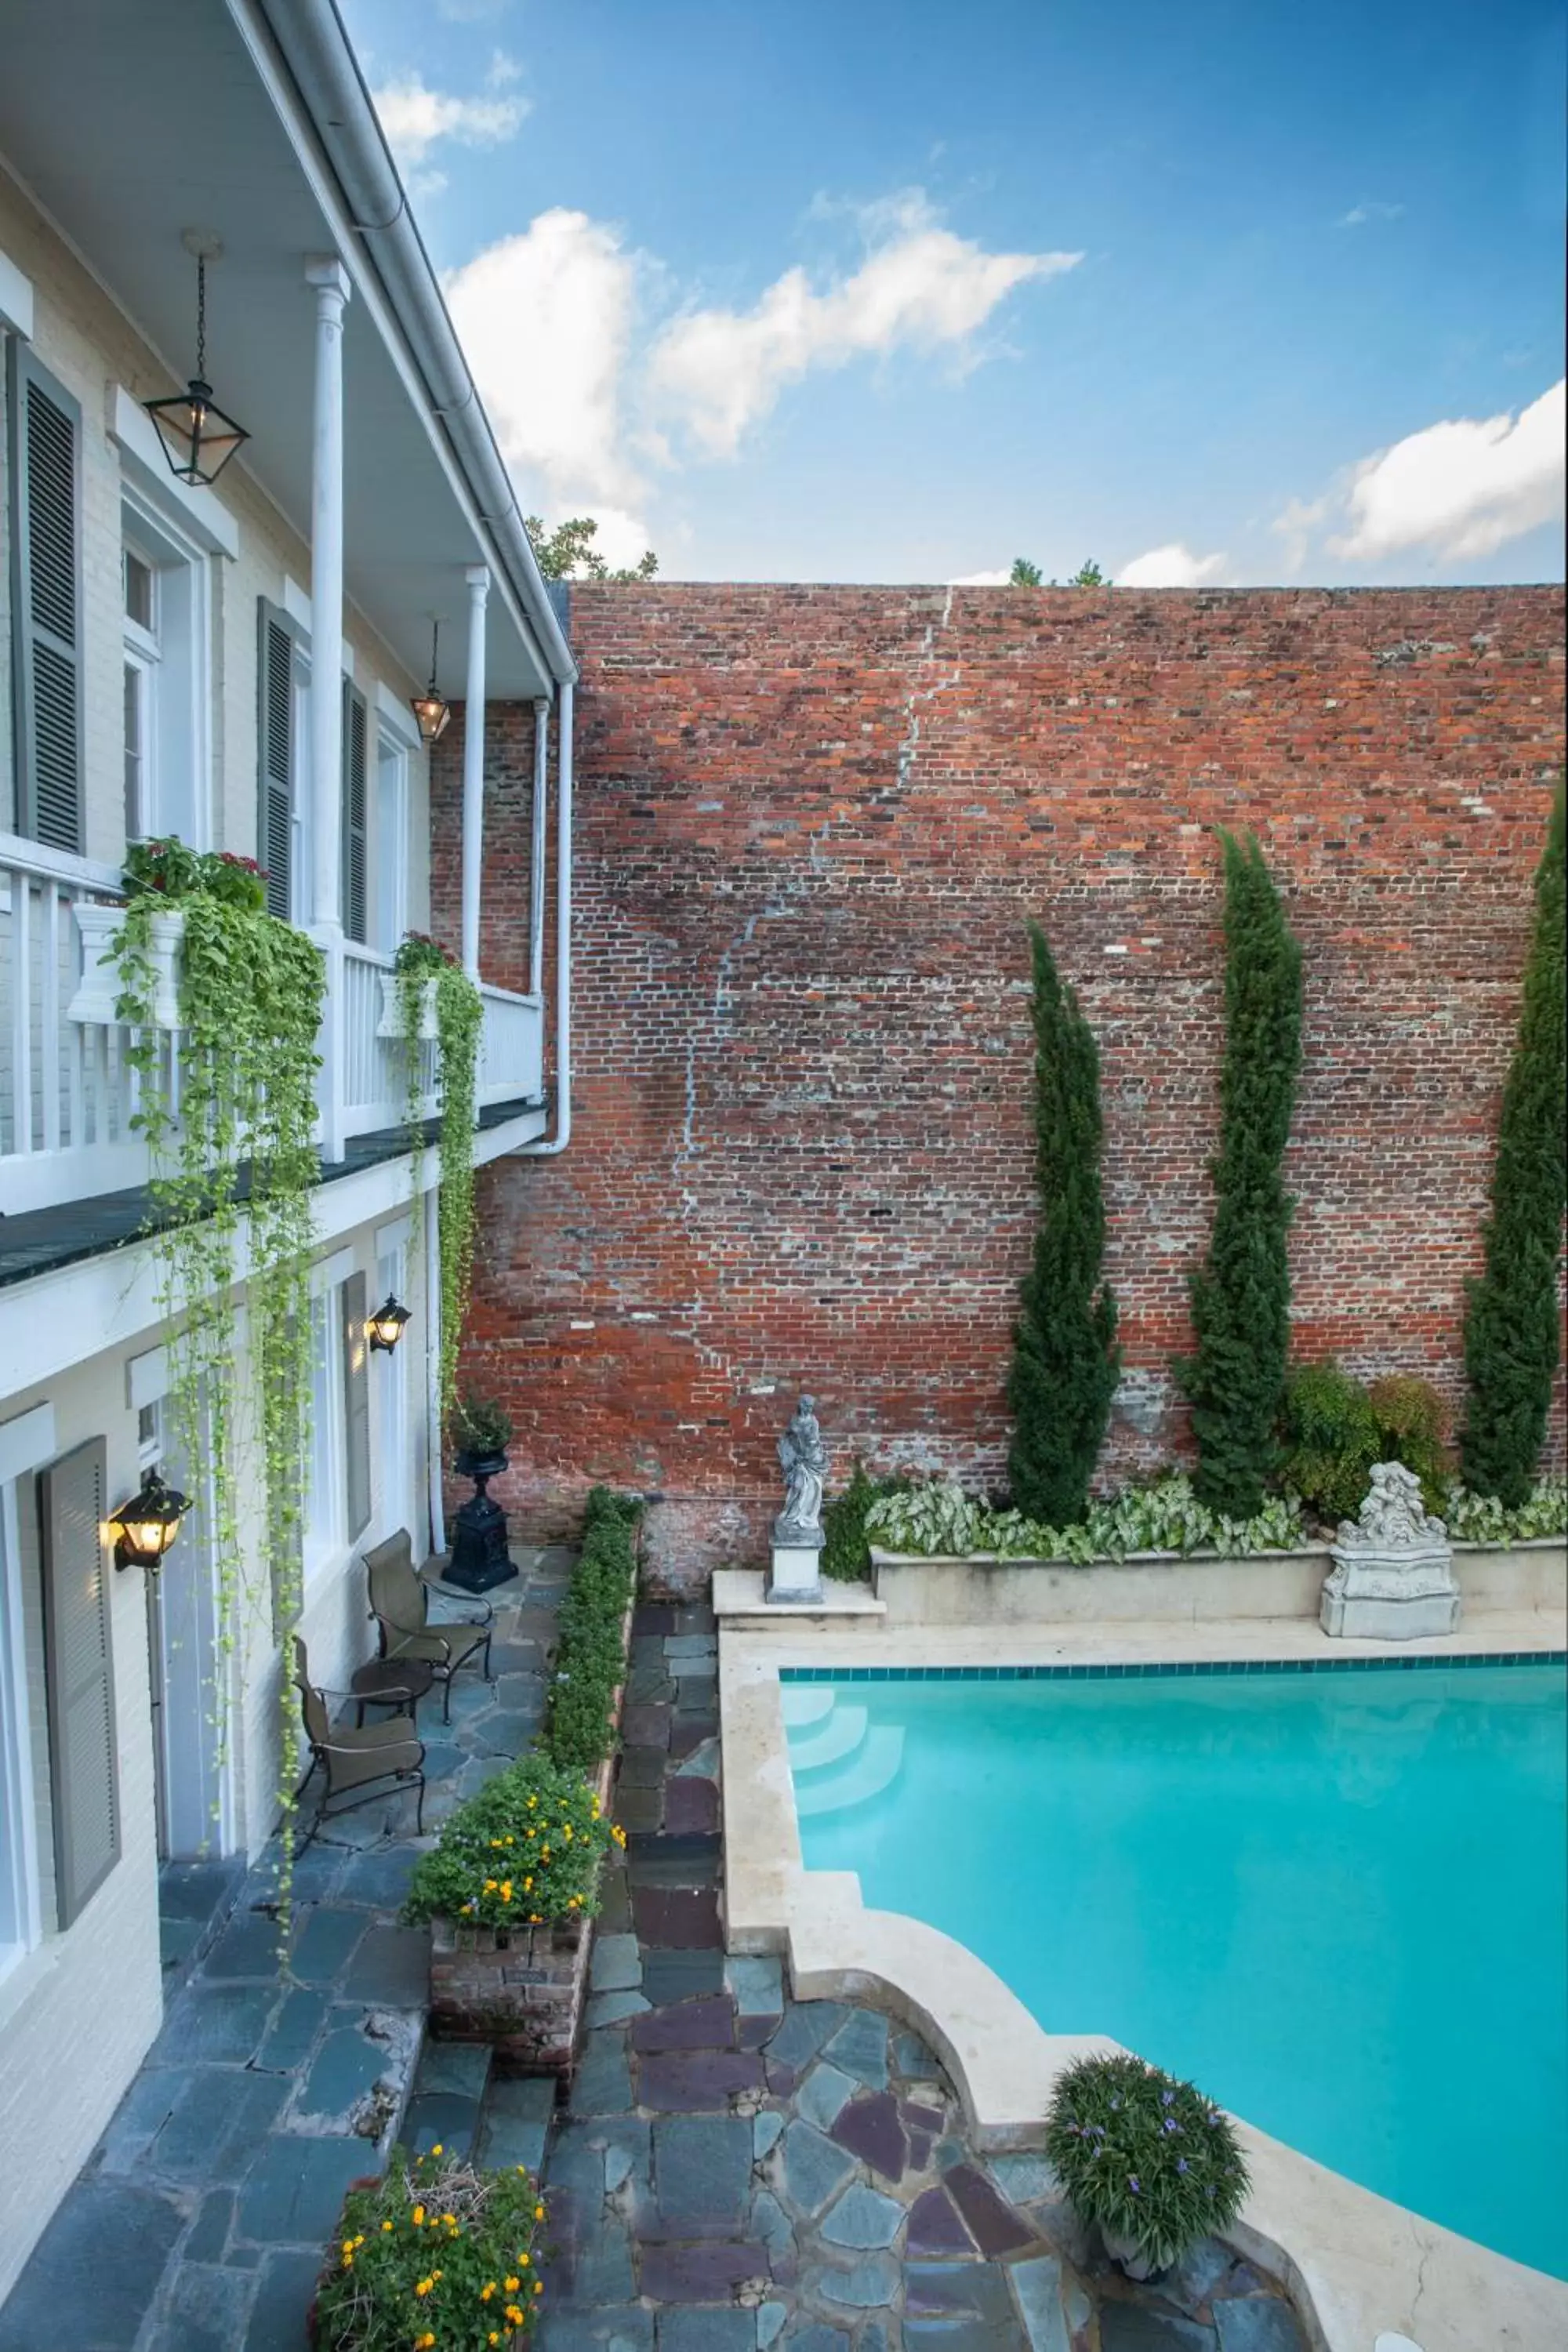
(98, 993)
(391, 1024)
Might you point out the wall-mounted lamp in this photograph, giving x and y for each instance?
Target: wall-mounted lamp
(146, 1526)
(432, 709)
(385, 1326)
(198, 438)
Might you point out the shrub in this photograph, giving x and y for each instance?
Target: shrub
(1144, 2156)
(437, 2255)
(1065, 1359)
(1235, 1379)
(847, 1552)
(1510, 1328)
(1330, 1439)
(1481, 1519)
(591, 1655)
(1411, 1425)
(942, 1522)
(480, 1425)
(523, 1852)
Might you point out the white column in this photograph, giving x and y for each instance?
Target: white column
(536, 850)
(479, 580)
(327, 275)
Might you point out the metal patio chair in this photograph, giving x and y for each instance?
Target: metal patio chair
(400, 1603)
(355, 1761)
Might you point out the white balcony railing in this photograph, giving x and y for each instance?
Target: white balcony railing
(68, 1093)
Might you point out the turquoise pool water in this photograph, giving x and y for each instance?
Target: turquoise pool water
(1338, 1900)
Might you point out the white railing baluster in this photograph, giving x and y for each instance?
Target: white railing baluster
(49, 1013)
(21, 1014)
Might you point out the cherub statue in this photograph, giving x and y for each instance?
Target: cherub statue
(1392, 1518)
(804, 1460)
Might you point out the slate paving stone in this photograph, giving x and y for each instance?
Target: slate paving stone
(701, 2174)
(1030, 2180)
(625, 2328)
(951, 2289)
(325, 1943)
(392, 1966)
(209, 2232)
(296, 2022)
(860, 2048)
(1037, 2288)
(814, 2170)
(378, 1879)
(771, 2317)
(615, 1964)
(654, 1619)
(936, 2226)
(914, 2060)
(615, 1905)
(995, 2227)
(707, 2331)
(293, 2191)
(339, 2078)
(247, 1948)
(870, 2129)
(601, 2266)
(823, 2092)
(699, 1755)
(211, 2130)
(646, 1724)
(679, 1976)
(757, 1983)
(1257, 2323)
(639, 1809)
(704, 2024)
(207, 2309)
(961, 2332)
(813, 2335)
(770, 2223)
(224, 2022)
(285, 2290)
(766, 2130)
(460, 2066)
(862, 2287)
(610, 2007)
(705, 2271)
(441, 2118)
(603, 2084)
(677, 1917)
(922, 2118)
(694, 1729)
(641, 1767)
(677, 2081)
(692, 1860)
(1193, 2280)
(862, 2219)
(95, 2271)
(807, 2024)
(1135, 2327)
(690, 1805)
(694, 1686)
(139, 2115)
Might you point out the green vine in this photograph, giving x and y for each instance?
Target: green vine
(460, 1018)
(229, 1125)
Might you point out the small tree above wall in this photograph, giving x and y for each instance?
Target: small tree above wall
(1065, 1361)
(1511, 1330)
(1241, 1299)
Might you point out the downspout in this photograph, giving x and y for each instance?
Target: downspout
(433, 1369)
(563, 1135)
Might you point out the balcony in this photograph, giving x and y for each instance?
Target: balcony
(68, 1096)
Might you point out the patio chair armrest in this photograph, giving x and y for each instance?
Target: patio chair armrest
(336, 1747)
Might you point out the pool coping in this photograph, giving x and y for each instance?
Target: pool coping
(1356, 2264)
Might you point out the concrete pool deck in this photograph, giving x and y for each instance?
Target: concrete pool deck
(1358, 2267)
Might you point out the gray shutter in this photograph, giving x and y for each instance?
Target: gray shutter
(356, 1402)
(275, 742)
(79, 1672)
(357, 752)
(45, 584)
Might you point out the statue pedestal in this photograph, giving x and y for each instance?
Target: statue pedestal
(1400, 1597)
(796, 1572)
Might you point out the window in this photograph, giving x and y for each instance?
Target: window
(141, 673)
(165, 676)
(43, 464)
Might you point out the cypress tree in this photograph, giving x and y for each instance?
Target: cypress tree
(1065, 1361)
(1510, 1328)
(1241, 1299)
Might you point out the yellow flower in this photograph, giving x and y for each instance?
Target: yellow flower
(495, 1841)
(523, 2261)
(574, 1901)
(488, 2289)
(424, 2286)
(514, 2315)
(419, 2217)
(490, 1887)
(512, 2285)
(534, 1920)
(509, 1841)
(348, 2245)
(436, 2149)
(506, 1890)
(450, 2219)
(539, 2286)
(386, 2225)
(532, 1802)
(539, 2210)
(492, 2337)
(528, 1885)
(348, 2258)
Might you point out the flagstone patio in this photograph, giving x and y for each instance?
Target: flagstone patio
(733, 2169)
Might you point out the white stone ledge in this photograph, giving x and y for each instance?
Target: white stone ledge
(1356, 2265)
(740, 1598)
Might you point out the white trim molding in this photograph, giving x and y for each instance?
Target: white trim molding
(147, 1378)
(392, 713)
(328, 1272)
(16, 300)
(26, 1442)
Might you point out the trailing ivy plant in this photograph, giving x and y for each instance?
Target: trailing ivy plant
(459, 1019)
(1235, 1379)
(1510, 1328)
(232, 1145)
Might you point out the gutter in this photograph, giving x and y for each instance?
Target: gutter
(312, 45)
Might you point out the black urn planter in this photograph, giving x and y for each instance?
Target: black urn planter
(479, 1556)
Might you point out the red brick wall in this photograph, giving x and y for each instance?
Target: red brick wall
(810, 825)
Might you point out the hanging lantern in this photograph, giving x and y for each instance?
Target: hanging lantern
(385, 1326)
(432, 709)
(198, 438)
(146, 1526)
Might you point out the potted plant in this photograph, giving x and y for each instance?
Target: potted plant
(170, 873)
(438, 2253)
(1148, 2158)
(510, 1888)
(409, 991)
(483, 1433)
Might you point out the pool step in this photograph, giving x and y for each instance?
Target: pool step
(874, 1767)
(838, 1735)
(804, 1703)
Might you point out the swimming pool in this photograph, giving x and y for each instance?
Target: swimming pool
(1338, 1900)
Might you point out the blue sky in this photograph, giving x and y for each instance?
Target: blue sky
(874, 289)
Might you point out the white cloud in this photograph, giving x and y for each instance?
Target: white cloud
(1459, 489)
(981, 579)
(721, 372)
(1368, 210)
(415, 118)
(546, 319)
(1296, 524)
(1172, 566)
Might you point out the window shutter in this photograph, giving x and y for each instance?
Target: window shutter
(356, 1402)
(45, 430)
(275, 740)
(356, 742)
(79, 1672)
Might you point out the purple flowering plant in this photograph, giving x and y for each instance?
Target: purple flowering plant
(1145, 2157)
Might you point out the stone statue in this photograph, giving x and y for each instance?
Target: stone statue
(804, 1459)
(1392, 1577)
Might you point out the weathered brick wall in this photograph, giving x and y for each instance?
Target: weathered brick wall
(811, 825)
